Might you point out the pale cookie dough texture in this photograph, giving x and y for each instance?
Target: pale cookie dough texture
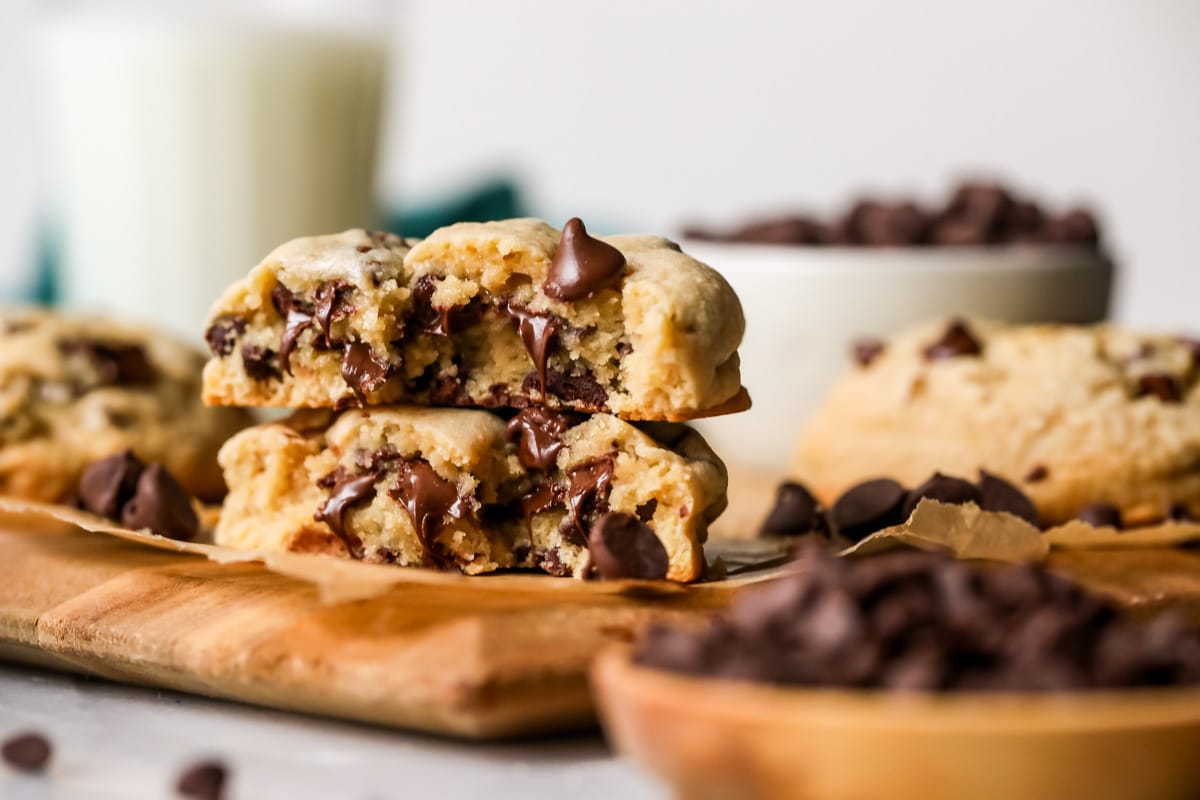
(461, 318)
(1072, 415)
(76, 389)
(446, 488)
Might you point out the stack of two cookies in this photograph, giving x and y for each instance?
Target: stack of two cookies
(585, 352)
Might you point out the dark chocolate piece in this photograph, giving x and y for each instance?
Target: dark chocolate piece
(203, 781)
(997, 494)
(295, 323)
(582, 265)
(1101, 515)
(538, 433)
(868, 507)
(223, 334)
(645, 511)
(429, 499)
(1159, 385)
(106, 485)
(162, 505)
(1037, 473)
(542, 497)
(331, 302)
(944, 489)
(260, 363)
(117, 364)
(345, 492)
(26, 752)
(537, 333)
(363, 371)
(579, 386)
(587, 492)
(956, 340)
(795, 512)
(437, 320)
(867, 350)
(622, 546)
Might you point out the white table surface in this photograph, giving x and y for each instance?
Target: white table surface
(113, 741)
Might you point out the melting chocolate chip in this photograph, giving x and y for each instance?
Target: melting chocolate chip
(223, 334)
(26, 752)
(587, 494)
(162, 505)
(260, 363)
(117, 364)
(1159, 385)
(997, 494)
(795, 512)
(867, 350)
(542, 497)
(549, 562)
(622, 546)
(1101, 515)
(944, 489)
(538, 432)
(203, 781)
(331, 302)
(297, 321)
(1037, 474)
(106, 485)
(363, 371)
(345, 492)
(429, 499)
(868, 507)
(582, 265)
(537, 333)
(955, 341)
(437, 320)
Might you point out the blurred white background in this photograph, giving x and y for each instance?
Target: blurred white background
(645, 114)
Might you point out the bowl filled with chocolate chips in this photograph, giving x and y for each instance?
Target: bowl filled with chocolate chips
(813, 286)
(910, 674)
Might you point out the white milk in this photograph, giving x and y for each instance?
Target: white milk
(182, 151)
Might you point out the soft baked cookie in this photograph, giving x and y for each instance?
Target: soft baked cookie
(75, 389)
(464, 489)
(1074, 416)
(495, 314)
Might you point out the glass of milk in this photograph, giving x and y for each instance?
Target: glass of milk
(186, 140)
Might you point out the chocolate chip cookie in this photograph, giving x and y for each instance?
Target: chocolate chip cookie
(498, 314)
(466, 489)
(75, 389)
(1077, 417)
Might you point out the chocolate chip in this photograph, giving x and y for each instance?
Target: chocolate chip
(579, 387)
(106, 485)
(345, 491)
(542, 497)
(891, 225)
(645, 511)
(1179, 512)
(982, 203)
(429, 499)
(582, 265)
(944, 489)
(538, 433)
(117, 364)
(867, 350)
(956, 340)
(537, 332)
(868, 507)
(998, 494)
(587, 493)
(1037, 473)
(203, 781)
(1077, 226)
(438, 320)
(162, 505)
(223, 334)
(1100, 515)
(260, 363)
(1159, 385)
(795, 512)
(26, 752)
(295, 323)
(781, 230)
(549, 562)
(960, 233)
(363, 371)
(622, 546)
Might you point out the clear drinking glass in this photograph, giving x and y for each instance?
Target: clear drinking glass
(185, 140)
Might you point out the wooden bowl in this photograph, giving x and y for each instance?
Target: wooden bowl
(727, 739)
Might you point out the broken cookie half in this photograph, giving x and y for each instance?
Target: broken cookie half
(476, 491)
(503, 314)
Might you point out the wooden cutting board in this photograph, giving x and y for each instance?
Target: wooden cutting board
(462, 659)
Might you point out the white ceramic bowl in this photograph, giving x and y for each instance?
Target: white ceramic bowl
(805, 306)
